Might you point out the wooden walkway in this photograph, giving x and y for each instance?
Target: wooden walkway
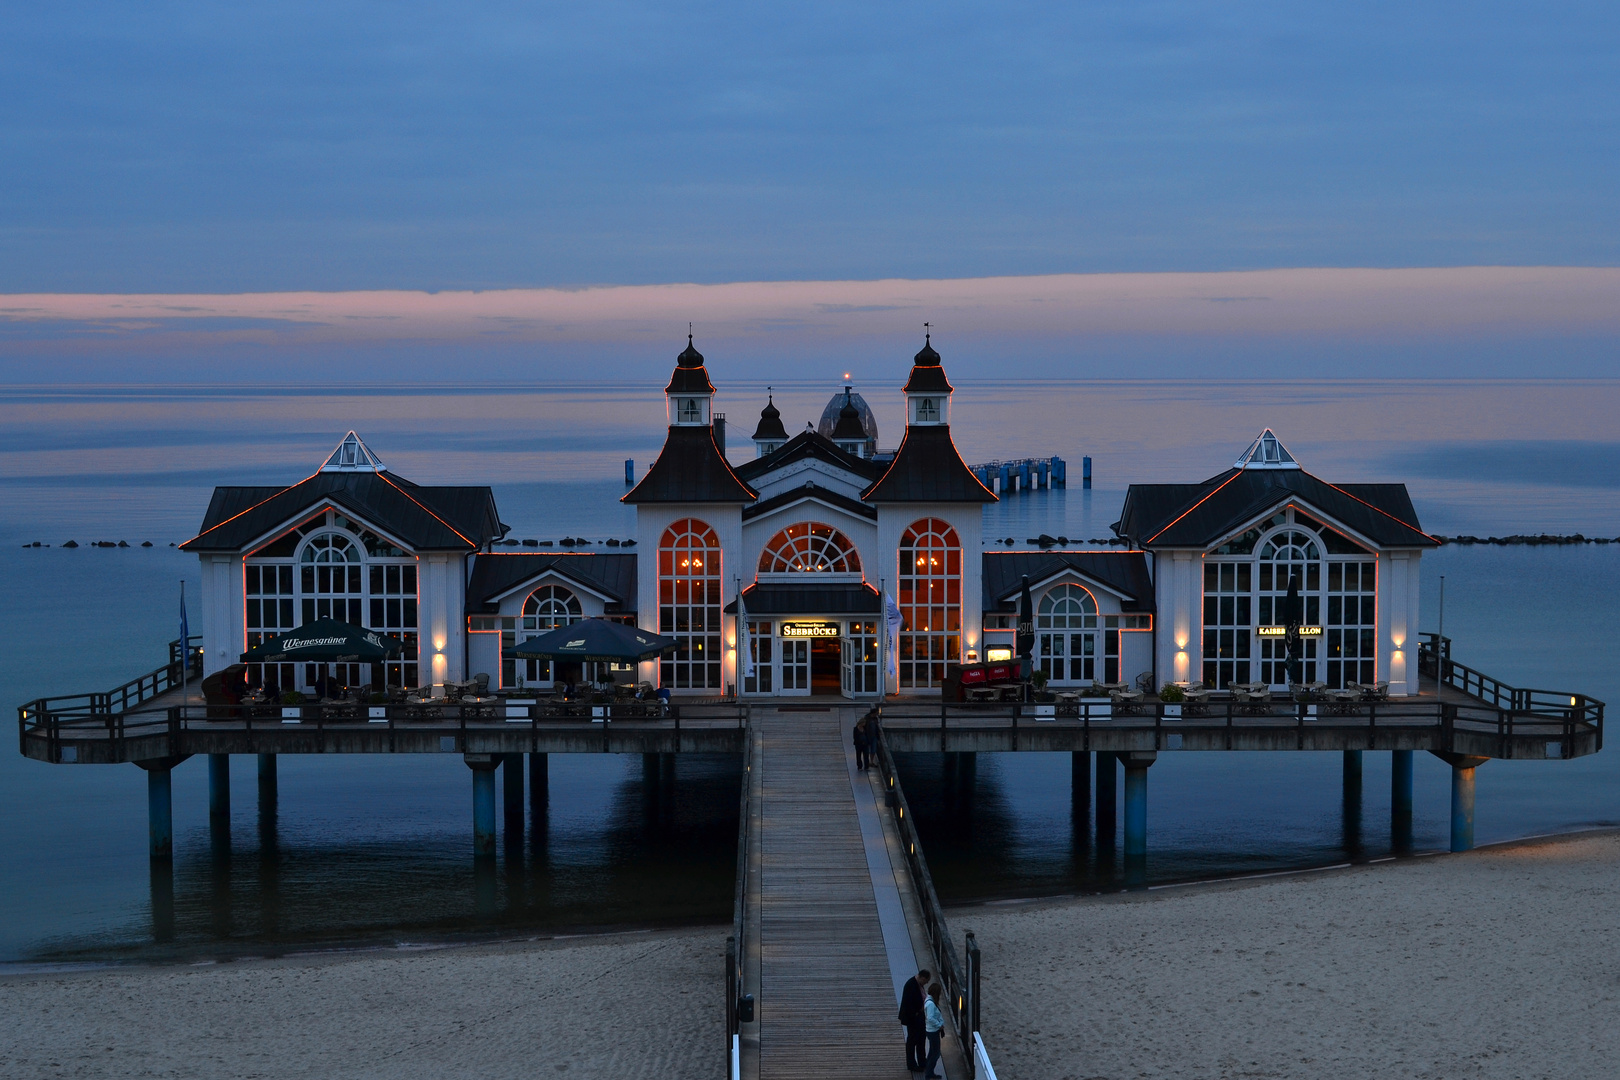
(826, 995)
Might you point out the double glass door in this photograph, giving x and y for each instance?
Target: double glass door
(795, 666)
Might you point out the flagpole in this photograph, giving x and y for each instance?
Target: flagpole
(184, 632)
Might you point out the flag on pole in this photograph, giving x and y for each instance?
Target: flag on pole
(745, 651)
(893, 620)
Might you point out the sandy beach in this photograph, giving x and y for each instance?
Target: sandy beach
(1498, 963)
(614, 1006)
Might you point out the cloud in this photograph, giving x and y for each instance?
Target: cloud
(1533, 320)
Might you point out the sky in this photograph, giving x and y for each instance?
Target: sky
(348, 150)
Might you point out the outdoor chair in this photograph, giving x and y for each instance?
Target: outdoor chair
(481, 683)
(1378, 691)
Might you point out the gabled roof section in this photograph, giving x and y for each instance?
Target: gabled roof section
(1121, 572)
(422, 518)
(1199, 515)
(809, 444)
(691, 469)
(810, 491)
(353, 455)
(818, 598)
(927, 468)
(497, 574)
(1266, 452)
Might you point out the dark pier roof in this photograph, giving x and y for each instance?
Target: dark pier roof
(1199, 515)
(690, 468)
(1124, 572)
(927, 468)
(422, 518)
(497, 574)
(809, 444)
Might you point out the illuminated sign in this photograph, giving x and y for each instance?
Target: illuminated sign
(1282, 631)
(811, 629)
(997, 655)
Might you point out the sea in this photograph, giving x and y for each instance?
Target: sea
(363, 851)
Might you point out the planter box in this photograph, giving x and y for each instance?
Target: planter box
(517, 709)
(1097, 708)
(377, 714)
(599, 714)
(1172, 712)
(292, 714)
(1045, 712)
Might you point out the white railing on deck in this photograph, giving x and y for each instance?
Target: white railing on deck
(736, 1058)
(982, 1069)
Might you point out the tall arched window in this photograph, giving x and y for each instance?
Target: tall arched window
(689, 605)
(547, 608)
(330, 579)
(930, 583)
(1066, 635)
(1289, 556)
(809, 547)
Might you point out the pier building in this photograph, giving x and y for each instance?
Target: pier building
(826, 566)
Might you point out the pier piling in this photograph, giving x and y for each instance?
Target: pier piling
(219, 790)
(267, 776)
(1462, 800)
(512, 792)
(539, 794)
(1136, 767)
(1080, 796)
(1107, 792)
(159, 812)
(1400, 800)
(483, 770)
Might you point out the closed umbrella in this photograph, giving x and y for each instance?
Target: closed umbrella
(326, 640)
(1026, 635)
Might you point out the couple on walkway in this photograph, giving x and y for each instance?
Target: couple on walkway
(925, 1023)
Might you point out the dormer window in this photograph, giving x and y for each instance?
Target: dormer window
(690, 412)
(927, 410)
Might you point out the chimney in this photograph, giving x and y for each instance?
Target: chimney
(720, 432)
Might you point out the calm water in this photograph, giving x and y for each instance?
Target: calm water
(378, 850)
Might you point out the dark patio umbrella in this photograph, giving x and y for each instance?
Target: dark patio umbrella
(1026, 635)
(1293, 615)
(594, 639)
(326, 640)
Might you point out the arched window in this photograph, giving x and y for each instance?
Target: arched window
(1291, 556)
(689, 605)
(1066, 635)
(330, 578)
(809, 547)
(547, 608)
(930, 583)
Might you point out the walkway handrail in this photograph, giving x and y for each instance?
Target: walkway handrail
(735, 946)
(950, 970)
(119, 699)
(1434, 660)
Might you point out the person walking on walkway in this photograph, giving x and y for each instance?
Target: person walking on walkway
(911, 1015)
(934, 1023)
(863, 743)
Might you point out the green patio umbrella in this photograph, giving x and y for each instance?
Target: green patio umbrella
(594, 639)
(326, 640)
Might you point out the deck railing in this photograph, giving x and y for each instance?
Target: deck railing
(962, 1009)
(1434, 660)
(737, 1009)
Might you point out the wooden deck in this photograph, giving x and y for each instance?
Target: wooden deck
(825, 990)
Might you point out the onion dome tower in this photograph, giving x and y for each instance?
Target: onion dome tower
(927, 467)
(849, 433)
(770, 434)
(691, 467)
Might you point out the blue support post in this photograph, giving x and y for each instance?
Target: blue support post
(1085, 473)
(1462, 807)
(1352, 776)
(1400, 799)
(1059, 472)
(483, 770)
(159, 813)
(219, 788)
(1136, 806)
(629, 471)
(267, 773)
(1006, 479)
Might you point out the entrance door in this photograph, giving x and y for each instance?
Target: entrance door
(795, 666)
(826, 655)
